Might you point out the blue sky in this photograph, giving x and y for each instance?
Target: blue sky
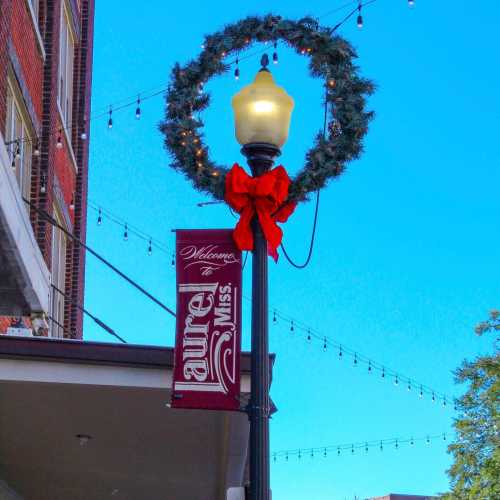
(406, 255)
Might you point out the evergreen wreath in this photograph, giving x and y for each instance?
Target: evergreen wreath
(331, 59)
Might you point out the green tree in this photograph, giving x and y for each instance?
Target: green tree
(475, 473)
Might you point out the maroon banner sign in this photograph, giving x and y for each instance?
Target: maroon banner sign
(208, 335)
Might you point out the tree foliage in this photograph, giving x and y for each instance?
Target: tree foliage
(475, 473)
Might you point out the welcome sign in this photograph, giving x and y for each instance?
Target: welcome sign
(208, 334)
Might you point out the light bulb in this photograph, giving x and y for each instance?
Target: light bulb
(263, 106)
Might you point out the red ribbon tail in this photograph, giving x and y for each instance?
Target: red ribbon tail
(272, 252)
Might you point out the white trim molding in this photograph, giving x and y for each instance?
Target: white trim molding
(35, 275)
(34, 22)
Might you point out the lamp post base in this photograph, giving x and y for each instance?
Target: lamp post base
(260, 158)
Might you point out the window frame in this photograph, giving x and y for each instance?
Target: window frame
(59, 249)
(18, 126)
(67, 45)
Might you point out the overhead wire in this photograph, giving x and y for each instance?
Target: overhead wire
(337, 449)
(156, 91)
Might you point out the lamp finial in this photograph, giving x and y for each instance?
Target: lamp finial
(264, 62)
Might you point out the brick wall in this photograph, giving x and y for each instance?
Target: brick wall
(5, 15)
(39, 78)
(26, 46)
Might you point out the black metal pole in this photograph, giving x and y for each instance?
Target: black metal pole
(260, 158)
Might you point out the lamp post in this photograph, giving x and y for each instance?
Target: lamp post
(262, 113)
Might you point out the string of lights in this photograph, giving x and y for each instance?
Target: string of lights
(142, 96)
(351, 448)
(357, 359)
(297, 327)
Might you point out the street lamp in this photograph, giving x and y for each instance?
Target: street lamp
(262, 112)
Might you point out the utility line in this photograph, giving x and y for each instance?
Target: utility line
(53, 222)
(103, 325)
(327, 343)
(143, 96)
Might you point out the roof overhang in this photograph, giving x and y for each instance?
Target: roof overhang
(53, 390)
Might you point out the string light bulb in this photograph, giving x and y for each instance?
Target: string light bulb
(59, 143)
(18, 150)
(83, 135)
(72, 202)
(291, 326)
(396, 381)
(150, 247)
(411, 3)
(110, 119)
(324, 344)
(412, 442)
(237, 70)
(275, 53)
(383, 372)
(355, 359)
(369, 366)
(36, 151)
(359, 21)
(309, 335)
(138, 109)
(340, 353)
(125, 233)
(99, 217)
(173, 259)
(274, 317)
(409, 386)
(43, 187)
(421, 394)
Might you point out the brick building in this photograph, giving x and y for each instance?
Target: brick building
(45, 81)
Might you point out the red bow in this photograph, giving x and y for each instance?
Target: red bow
(265, 195)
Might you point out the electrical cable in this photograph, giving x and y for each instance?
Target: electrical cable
(103, 325)
(53, 222)
(326, 341)
(116, 106)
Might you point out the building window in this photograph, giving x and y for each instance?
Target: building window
(18, 139)
(66, 64)
(58, 273)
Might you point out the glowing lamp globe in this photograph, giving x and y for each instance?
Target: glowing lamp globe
(262, 111)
